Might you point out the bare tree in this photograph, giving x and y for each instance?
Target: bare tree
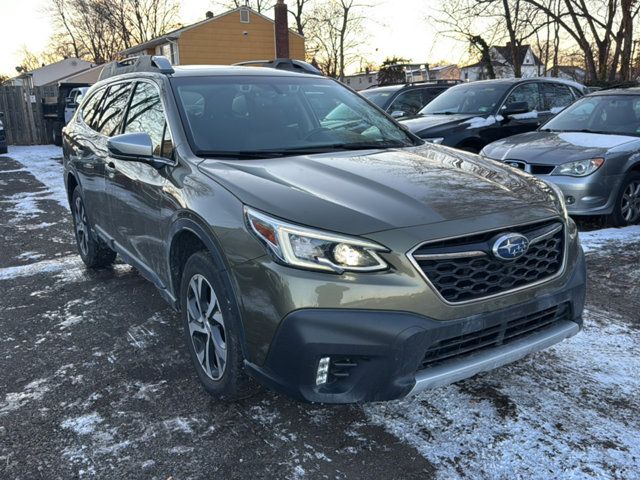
(260, 6)
(99, 29)
(335, 32)
(298, 11)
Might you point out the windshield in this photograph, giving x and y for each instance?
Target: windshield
(252, 115)
(475, 99)
(379, 97)
(615, 114)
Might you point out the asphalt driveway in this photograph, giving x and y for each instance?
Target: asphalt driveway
(96, 381)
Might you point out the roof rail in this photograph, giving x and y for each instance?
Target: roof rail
(142, 63)
(283, 64)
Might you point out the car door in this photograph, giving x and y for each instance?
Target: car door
(523, 122)
(87, 156)
(135, 189)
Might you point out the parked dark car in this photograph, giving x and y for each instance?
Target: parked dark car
(3, 137)
(336, 261)
(591, 151)
(472, 115)
(406, 99)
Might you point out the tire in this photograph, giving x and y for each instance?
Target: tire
(4, 150)
(626, 210)
(212, 329)
(93, 251)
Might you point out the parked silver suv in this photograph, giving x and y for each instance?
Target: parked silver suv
(337, 260)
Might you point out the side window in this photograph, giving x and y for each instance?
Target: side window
(527, 92)
(556, 96)
(90, 107)
(108, 117)
(429, 94)
(408, 102)
(146, 115)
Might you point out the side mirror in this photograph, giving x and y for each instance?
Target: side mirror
(515, 108)
(135, 147)
(398, 113)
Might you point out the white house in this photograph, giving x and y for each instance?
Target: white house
(52, 73)
(501, 60)
(568, 72)
(362, 80)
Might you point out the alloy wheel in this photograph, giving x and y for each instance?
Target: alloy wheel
(82, 227)
(206, 327)
(630, 206)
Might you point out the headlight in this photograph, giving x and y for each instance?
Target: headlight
(581, 168)
(558, 200)
(437, 140)
(314, 249)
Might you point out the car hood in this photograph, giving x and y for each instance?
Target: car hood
(419, 124)
(376, 190)
(555, 148)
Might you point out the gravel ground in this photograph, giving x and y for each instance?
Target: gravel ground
(96, 382)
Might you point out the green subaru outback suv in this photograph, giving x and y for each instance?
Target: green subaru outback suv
(336, 258)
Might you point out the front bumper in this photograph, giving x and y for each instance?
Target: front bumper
(381, 351)
(592, 195)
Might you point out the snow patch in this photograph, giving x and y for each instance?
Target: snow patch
(83, 425)
(547, 416)
(595, 140)
(598, 239)
(38, 268)
(480, 122)
(40, 162)
(33, 391)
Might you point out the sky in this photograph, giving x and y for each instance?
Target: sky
(394, 27)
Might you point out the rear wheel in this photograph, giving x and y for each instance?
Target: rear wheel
(93, 251)
(627, 206)
(212, 329)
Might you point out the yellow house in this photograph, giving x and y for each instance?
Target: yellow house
(235, 36)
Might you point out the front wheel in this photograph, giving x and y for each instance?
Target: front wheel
(212, 329)
(627, 206)
(93, 251)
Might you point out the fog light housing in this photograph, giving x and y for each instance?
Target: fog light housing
(570, 200)
(322, 374)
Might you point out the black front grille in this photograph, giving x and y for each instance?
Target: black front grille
(460, 278)
(541, 169)
(494, 336)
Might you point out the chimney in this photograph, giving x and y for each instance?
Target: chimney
(209, 14)
(281, 15)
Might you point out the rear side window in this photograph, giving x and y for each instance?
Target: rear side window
(89, 108)
(109, 115)
(556, 96)
(146, 115)
(409, 102)
(527, 92)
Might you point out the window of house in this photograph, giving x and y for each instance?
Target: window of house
(244, 15)
(169, 50)
(146, 115)
(107, 118)
(370, 79)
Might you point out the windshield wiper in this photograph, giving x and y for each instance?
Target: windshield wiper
(258, 154)
(582, 130)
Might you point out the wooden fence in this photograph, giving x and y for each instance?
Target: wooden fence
(22, 111)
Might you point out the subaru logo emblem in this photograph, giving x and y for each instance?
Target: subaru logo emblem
(510, 246)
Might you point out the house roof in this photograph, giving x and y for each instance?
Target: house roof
(568, 69)
(505, 51)
(175, 34)
(495, 63)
